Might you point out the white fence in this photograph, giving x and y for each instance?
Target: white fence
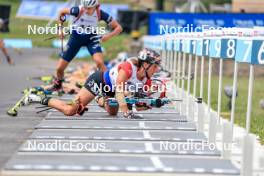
(239, 45)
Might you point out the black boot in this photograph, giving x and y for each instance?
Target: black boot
(9, 60)
(45, 101)
(57, 85)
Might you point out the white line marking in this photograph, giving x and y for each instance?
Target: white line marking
(123, 151)
(138, 151)
(95, 168)
(131, 168)
(77, 168)
(168, 169)
(22, 166)
(146, 134)
(199, 170)
(149, 169)
(157, 162)
(44, 167)
(111, 168)
(142, 125)
(149, 147)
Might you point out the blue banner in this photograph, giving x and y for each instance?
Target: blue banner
(42, 9)
(39, 9)
(168, 23)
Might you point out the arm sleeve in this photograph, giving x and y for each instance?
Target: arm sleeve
(106, 17)
(126, 66)
(74, 11)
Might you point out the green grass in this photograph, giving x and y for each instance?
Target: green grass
(112, 47)
(19, 27)
(257, 115)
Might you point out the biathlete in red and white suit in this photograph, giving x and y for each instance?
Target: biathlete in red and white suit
(133, 74)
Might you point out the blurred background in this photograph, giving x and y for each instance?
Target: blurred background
(138, 17)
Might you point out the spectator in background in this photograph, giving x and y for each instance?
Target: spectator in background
(4, 50)
(4, 25)
(1, 23)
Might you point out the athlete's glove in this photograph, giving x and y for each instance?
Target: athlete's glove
(142, 106)
(62, 18)
(131, 115)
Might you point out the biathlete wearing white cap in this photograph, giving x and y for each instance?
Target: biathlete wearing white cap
(85, 33)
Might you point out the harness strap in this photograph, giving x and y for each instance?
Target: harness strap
(146, 69)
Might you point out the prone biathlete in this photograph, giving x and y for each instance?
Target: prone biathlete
(84, 33)
(101, 85)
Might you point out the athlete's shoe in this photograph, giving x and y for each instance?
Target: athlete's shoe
(10, 61)
(34, 96)
(56, 87)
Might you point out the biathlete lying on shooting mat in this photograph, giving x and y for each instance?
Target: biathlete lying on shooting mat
(136, 71)
(84, 33)
(4, 50)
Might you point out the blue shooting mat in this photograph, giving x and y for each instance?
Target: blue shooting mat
(258, 51)
(206, 46)
(244, 50)
(169, 44)
(186, 45)
(177, 45)
(46, 9)
(199, 47)
(228, 47)
(159, 44)
(193, 44)
(215, 47)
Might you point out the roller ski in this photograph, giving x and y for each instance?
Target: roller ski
(45, 79)
(32, 95)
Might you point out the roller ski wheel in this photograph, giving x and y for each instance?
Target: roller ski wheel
(29, 96)
(12, 112)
